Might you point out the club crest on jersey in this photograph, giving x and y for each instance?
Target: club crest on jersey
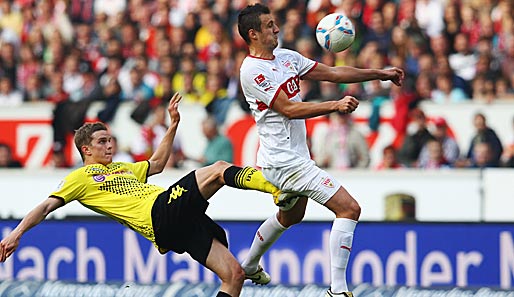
(327, 182)
(99, 178)
(288, 64)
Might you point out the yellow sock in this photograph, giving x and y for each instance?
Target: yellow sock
(248, 178)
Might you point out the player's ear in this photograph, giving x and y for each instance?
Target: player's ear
(252, 33)
(85, 150)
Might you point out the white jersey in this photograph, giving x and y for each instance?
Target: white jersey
(282, 141)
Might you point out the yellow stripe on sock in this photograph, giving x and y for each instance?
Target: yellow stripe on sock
(241, 176)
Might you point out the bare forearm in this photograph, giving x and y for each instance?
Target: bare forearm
(33, 218)
(304, 110)
(346, 74)
(162, 153)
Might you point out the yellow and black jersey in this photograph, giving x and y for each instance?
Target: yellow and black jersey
(118, 190)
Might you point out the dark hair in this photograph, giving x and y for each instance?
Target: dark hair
(249, 18)
(83, 135)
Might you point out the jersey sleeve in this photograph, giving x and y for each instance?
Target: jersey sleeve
(140, 170)
(305, 65)
(258, 82)
(72, 187)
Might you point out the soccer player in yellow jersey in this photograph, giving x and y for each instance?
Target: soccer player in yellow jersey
(172, 219)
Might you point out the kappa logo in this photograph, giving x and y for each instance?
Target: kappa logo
(176, 192)
(327, 182)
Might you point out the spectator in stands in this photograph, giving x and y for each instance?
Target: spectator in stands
(429, 16)
(342, 146)
(463, 61)
(11, 19)
(150, 78)
(151, 134)
(293, 29)
(503, 88)
(389, 159)
(445, 92)
(378, 33)
(507, 60)
(59, 159)
(218, 146)
(390, 13)
(452, 23)
(188, 81)
(52, 18)
(482, 157)
(435, 156)
(215, 98)
(399, 39)
(119, 154)
(8, 64)
(424, 86)
(64, 120)
(9, 96)
(33, 91)
(417, 136)
(507, 159)
(28, 66)
(140, 93)
(111, 92)
(439, 46)
(442, 67)
(72, 78)
(484, 134)
(6, 157)
(416, 48)
(450, 148)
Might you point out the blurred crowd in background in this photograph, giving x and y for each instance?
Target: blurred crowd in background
(73, 53)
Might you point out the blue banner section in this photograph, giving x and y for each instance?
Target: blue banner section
(413, 254)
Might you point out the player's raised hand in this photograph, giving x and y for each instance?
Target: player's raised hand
(395, 75)
(348, 104)
(173, 108)
(7, 246)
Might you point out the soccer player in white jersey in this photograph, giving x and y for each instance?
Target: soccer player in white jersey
(270, 82)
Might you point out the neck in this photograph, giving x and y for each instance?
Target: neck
(262, 53)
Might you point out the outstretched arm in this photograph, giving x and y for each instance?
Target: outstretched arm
(303, 110)
(10, 243)
(347, 74)
(161, 155)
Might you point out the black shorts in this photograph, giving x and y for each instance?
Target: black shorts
(180, 223)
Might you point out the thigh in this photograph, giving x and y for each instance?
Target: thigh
(306, 180)
(210, 178)
(220, 260)
(344, 205)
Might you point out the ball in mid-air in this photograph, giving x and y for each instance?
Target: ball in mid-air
(335, 32)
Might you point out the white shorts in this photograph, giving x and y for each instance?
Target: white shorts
(307, 179)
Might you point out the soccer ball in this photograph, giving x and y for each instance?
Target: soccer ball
(335, 32)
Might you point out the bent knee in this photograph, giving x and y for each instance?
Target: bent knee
(237, 274)
(354, 210)
(345, 208)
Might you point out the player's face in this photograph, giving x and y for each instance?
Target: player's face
(100, 149)
(268, 36)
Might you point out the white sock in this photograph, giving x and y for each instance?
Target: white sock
(341, 237)
(265, 236)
